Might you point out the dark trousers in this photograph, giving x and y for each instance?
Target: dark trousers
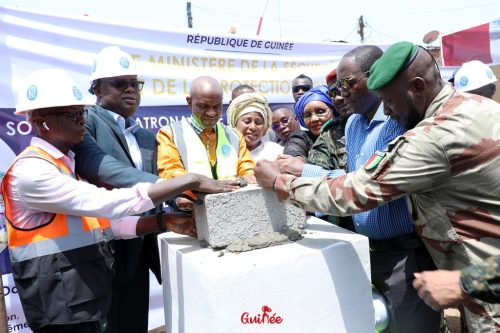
(392, 275)
(130, 305)
(87, 327)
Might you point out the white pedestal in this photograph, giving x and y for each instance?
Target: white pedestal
(318, 284)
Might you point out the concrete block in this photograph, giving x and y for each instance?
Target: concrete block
(320, 283)
(226, 218)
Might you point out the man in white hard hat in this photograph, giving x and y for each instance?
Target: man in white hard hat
(117, 152)
(115, 83)
(59, 236)
(476, 78)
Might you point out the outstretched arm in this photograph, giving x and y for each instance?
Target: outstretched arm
(101, 169)
(406, 167)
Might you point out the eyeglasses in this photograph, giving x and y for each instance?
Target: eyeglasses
(348, 83)
(283, 121)
(333, 90)
(74, 115)
(319, 112)
(305, 88)
(122, 84)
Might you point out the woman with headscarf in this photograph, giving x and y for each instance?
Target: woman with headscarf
(250, 114)
(313, 110)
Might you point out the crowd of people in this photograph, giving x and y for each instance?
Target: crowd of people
(386, 149)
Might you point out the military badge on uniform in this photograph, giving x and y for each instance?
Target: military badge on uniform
(374, 160)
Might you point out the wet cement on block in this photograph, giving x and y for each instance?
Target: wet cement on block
(265, 240)
(230, 218)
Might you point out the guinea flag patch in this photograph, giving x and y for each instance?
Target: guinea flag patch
(374, 160)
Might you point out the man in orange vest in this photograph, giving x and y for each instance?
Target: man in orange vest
(59, 236)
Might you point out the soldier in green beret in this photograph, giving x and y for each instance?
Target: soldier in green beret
(448, 163)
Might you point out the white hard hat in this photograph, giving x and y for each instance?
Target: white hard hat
(48, 88)
(111, 61)
(472, 75)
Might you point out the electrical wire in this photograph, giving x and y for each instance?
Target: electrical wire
(381, 33)
(434, 10)
(411, 13)
(228, 15)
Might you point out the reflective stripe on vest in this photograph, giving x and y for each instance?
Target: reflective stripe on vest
(196, 158)
(62, 233)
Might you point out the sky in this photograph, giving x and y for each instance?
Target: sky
(386, 21)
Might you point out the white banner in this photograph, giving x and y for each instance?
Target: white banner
(168, 59)
(16, 322)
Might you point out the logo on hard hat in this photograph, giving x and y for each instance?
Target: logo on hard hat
(94, 66)
(489, 74)
(124, 62)
(32, 92)
(77, 93)
(464, 81)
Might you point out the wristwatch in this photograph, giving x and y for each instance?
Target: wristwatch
(159, 223)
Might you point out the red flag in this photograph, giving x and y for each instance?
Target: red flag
(466, 45)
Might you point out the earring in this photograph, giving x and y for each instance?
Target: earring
(45, 126)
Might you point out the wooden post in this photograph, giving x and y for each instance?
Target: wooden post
(3, 309)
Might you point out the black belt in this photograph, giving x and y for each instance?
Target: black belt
(409, 241)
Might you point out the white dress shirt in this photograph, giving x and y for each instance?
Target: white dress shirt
(37, 190)
(123, 229)
(133, 146)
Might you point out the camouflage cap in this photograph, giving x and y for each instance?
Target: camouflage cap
(394, 60)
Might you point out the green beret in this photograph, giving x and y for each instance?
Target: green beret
(394, 60)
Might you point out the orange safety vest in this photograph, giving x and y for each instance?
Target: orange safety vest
(61, 233)
(71, 254)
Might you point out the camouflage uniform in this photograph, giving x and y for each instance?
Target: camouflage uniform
(328, 151)
(483, 280)
(450, 165)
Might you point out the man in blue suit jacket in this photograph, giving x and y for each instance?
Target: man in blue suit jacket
(115, 153)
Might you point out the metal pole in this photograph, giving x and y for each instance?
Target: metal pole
(361, 28)
(260, 19)
(189, 14)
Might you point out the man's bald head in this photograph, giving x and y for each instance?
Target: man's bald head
(426, 68)
(205, 101)
(205, 85)
(364, 56)
(409, 94)
(422, 80)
